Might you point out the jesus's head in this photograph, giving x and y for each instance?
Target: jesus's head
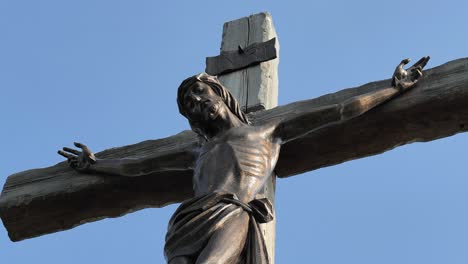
(207, 104)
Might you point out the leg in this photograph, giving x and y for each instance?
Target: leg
(181, 260)
(226, 244)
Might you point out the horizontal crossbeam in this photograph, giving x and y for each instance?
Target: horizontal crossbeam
(56, 198)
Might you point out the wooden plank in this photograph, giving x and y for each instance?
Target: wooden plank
(436, 108)
(256, 87)
(233, 60)
(42, 201)
(260, 92)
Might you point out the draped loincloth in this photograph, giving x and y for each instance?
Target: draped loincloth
(193, 223)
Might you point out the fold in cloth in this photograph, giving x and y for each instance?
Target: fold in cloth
(193, 223)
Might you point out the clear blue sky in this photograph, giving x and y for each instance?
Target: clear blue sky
(105, 73)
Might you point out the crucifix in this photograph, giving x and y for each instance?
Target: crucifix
(42, 201)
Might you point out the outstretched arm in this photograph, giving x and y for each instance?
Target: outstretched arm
(85, 161)
(402, 80)
(308, 121)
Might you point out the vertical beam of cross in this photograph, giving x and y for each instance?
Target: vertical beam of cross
(256, 87)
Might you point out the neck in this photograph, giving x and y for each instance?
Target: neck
(221, 124)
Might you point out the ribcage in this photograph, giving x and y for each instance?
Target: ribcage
(252, 157)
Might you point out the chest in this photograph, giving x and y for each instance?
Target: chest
(252, 152)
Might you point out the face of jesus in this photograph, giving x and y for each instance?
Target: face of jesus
(201, 103)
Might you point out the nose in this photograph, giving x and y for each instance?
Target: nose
(195, 97)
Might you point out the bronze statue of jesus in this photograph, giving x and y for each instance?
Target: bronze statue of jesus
(221, 223)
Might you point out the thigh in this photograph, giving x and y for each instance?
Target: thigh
(227, 243)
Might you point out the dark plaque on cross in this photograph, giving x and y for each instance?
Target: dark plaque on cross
(224, 170)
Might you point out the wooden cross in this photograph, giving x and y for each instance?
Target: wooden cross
(436, 108)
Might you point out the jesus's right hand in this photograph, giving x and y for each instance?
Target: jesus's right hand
(78, 160)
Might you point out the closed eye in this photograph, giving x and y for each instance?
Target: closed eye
(198, 89)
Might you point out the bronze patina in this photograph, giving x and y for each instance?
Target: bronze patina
(220, 224)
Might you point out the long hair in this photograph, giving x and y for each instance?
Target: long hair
(218, 88)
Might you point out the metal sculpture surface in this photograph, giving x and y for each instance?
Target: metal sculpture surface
(220, 224)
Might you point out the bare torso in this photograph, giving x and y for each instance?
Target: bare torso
(239, 161)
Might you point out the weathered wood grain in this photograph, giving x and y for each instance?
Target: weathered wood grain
(42, 201)
(259, 80)
(436, 108)
(256, 87)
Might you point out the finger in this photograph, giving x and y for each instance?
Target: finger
(92, 158)
(74, 151)
(415, 71)
(405, 61)
(66, 155)
(88, 153)
(422, 62)
(418, 72)
(78, 144)
(83, 147)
